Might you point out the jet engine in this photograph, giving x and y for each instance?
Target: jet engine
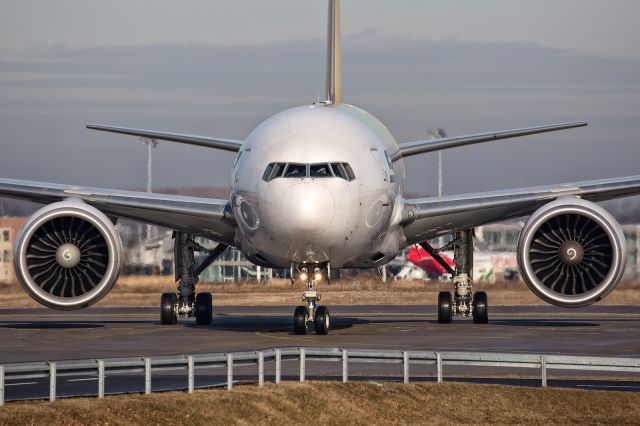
(571, 252)
(67, 255)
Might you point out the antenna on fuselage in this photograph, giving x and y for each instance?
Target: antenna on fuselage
(334, 82)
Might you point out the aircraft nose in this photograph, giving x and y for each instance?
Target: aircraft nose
(308, 208)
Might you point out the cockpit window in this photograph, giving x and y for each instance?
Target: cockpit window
(237, 158)
(316, 170)
(389, 162)
(343, 170)
(321, 170)
(295, 170)
(349, 170)
(273, 170)
(267, 172)
(339, 171)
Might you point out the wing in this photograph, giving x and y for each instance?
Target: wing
(426, 218)
(208, 142)
(407, 149)
(200, 216)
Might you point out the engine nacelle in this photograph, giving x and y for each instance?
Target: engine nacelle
(571, 252)
(68, 255)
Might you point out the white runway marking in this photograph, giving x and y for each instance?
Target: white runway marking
(610, 386)
(21, 383)
(84, 380)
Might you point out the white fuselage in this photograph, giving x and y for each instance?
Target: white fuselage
(348, 221)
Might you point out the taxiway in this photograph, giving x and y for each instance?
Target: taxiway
(41, 334)
(46, 335)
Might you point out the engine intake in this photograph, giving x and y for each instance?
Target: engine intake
(68, 255)
(571, 252)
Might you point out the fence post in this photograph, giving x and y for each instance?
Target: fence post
(191, 373)
(1, 385)
(405, 365)
(439, 366)
(278, 366)
(229, 371)
(147, 375)
(543, 368)
(52, 381)
(100, 378)
(260, 369)
(345, 366)
(302, 364)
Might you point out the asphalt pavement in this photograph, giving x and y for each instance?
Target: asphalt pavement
(40, 334)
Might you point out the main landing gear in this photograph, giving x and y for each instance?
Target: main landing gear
(478, 308)
(186, 303)
(311, 315)
(464, 303)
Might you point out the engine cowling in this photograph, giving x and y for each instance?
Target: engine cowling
(68, 255)
(571, 252)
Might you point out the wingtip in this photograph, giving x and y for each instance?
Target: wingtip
(575, 124)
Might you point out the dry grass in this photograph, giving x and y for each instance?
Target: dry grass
(337, 404)
(145, 291)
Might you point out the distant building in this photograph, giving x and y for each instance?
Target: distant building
(155, 256)
(9, 227)
(233, 266)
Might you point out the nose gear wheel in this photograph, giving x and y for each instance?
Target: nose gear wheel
(311, 315)
(300, 320)
(321, 320)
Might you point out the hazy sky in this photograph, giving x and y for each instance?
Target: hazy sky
(607, 28)
(221, 67)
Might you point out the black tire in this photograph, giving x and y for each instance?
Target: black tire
(480, 308)
(445, 311)
(300, 320)
(204, 310)
(322, 320)
(168, 314)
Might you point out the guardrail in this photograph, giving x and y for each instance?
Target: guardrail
(147, 365)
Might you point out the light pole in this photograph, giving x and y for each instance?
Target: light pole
(435, 134)
(440, 173)
(150, 144)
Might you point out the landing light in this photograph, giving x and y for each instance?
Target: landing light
(318, 276)
(303, 274)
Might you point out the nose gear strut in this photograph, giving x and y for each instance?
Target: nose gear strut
(186, 303)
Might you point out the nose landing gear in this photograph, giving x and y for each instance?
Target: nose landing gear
(312, 314)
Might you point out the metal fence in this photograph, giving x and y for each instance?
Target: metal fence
(190, 363)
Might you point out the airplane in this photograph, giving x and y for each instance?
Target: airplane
(432, 266)
(487, 266)
(317, 187)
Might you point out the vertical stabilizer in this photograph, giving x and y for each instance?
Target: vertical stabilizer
(334, 82)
